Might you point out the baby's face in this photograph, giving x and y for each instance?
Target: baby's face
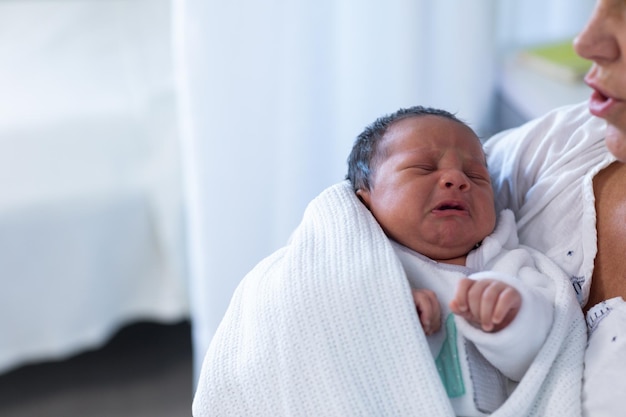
(432, 192)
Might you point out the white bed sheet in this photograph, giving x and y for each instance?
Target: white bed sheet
(88, 242)
(90, 196)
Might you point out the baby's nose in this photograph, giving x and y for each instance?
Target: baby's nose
(454, 179)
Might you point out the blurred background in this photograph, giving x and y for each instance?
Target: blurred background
(153, 151)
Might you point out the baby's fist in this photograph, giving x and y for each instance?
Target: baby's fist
(489, 304)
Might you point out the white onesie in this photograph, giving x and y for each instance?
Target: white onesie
(475, 367)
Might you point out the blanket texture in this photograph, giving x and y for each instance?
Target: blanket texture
(326, 326)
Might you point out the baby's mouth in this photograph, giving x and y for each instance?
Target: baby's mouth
(450, 206)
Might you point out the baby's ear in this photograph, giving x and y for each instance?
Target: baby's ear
(364, 196)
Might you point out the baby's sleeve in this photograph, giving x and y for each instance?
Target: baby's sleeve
(514, 348)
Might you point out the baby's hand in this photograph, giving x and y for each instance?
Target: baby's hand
(489, 304)
(428, 310)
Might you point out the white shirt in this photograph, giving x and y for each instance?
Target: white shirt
(543, 171)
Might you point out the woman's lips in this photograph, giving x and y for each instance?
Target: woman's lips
(600, 103)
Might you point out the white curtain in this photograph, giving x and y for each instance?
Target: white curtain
(273, 93)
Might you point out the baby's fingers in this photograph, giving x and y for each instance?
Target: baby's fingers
(499, 304)
(508, 304)
(460, 303)
(428, 310)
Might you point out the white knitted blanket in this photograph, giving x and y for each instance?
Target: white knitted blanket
(326, 326)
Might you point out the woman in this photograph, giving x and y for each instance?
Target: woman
(564, 176)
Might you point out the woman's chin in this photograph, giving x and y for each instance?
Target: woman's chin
(616, 142)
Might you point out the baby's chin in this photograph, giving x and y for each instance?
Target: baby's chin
(616, 142)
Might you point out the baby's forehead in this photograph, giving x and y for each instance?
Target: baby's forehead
(430, 134)
(470, 158)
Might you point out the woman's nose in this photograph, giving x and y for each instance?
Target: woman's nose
(597, 42)
(454, 179)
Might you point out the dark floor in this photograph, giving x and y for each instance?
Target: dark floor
(144, 371)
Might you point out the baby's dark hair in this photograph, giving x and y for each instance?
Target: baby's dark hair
(366, 151)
